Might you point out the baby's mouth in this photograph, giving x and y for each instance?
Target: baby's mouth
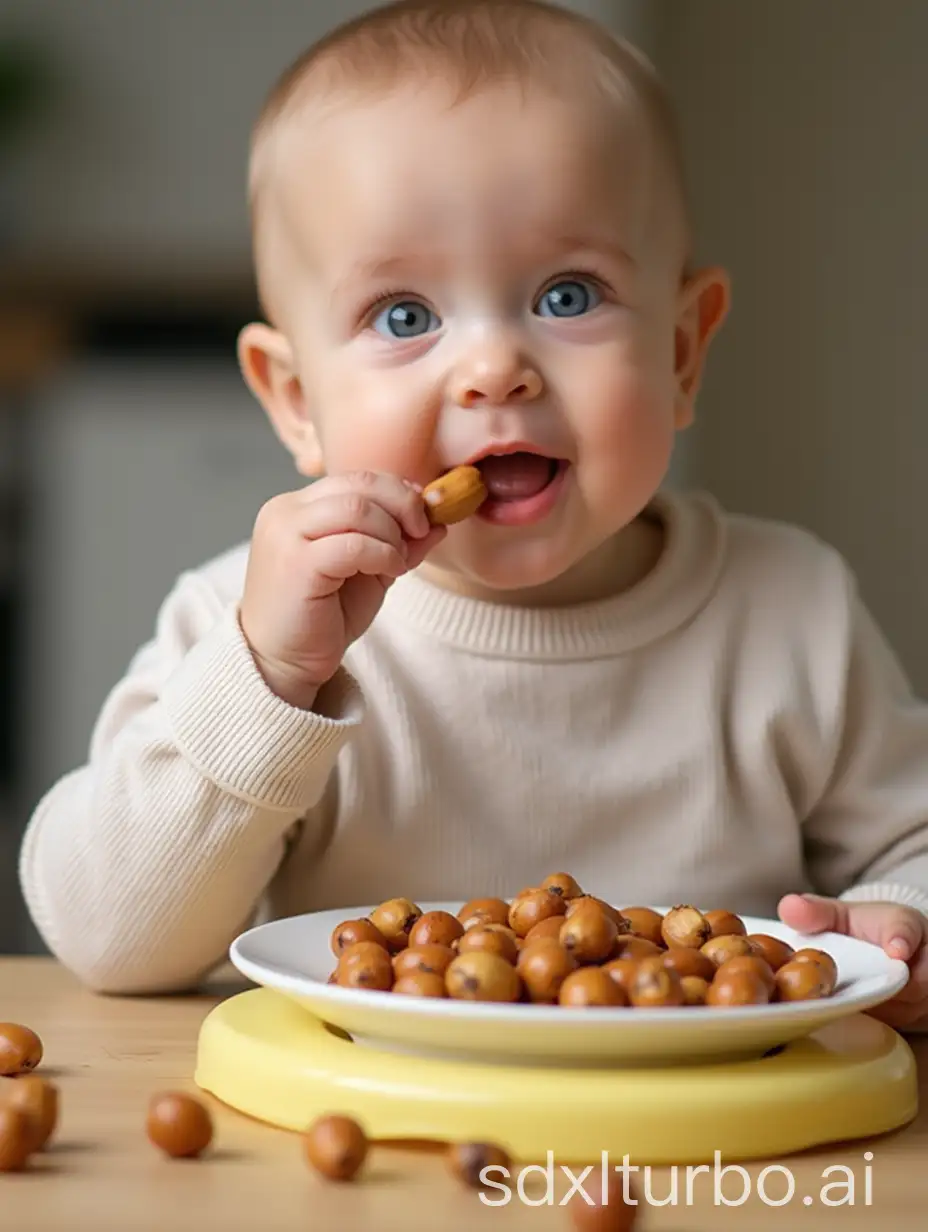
(514, 477)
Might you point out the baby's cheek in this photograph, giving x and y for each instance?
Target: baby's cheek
(368, 424)
(626, 413)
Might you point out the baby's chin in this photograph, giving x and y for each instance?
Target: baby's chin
(528, 573)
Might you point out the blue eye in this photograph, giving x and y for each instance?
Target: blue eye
(406, 318)
(570, 298)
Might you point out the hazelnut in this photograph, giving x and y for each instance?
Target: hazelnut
(484, 911)
(435, 928)
(737, 988)
(533, 889)
(654, 985)
(774, 951)
(622, 971)
(613, 1215)
(530, 909)
(365, 965)
(749, 962)
(20, 1049)
(336, 1147)
(825, 961)
(37, 1100)
(695, 989)
(491, 938)
(422, 960)
(563, 884)
(685, 926)
(688, 962)
(627, 945)
(590, 987)
(543, 968)
(15, 1137)
(395, 919)
(645, 922)
(454, 496)
(589, 935)
(482, 976)
(803, 981)
(467, 1160)
(731, 945)
(545, 930)
(576, 904)
(179, 1125)
(420, 984)
(351, 931)
(726, 924)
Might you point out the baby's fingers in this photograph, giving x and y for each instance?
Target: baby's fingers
(916, 990)
(399, 498)
(336, 558)
(418, 549)
(901, 1015)
(344, 512)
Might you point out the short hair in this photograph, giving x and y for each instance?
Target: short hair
(468, 45)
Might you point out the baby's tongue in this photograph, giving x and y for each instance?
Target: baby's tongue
(515, 476)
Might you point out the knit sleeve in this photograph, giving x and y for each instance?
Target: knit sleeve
(867, 834)
(140, 867)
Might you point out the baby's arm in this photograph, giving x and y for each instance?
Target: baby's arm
(141, 867)
(867, 836)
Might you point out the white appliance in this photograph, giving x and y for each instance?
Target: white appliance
(139, 469)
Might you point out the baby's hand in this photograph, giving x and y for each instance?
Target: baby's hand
(900, 931)
(320, 564)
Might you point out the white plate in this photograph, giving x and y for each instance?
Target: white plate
(293, 956)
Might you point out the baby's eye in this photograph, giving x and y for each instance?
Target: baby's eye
(406, 318)
(570, 298)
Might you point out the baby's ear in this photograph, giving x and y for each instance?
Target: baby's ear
(702, 306)
(268, 365)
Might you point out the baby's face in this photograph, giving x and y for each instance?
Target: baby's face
(480, 280)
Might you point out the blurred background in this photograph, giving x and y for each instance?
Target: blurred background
(130, 449)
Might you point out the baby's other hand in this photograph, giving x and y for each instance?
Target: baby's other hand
(900, 931)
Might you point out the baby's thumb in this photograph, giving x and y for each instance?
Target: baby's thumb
(809, 913)
(900, 936)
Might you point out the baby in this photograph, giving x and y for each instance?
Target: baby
(472, 246)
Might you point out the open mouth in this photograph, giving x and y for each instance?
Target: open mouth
(522, 486)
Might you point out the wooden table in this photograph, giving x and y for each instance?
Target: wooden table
(101, 1175)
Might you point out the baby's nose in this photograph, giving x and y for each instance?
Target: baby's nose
(496, 375)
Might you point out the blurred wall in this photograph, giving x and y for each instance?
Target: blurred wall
(144, 168)
(806, 129)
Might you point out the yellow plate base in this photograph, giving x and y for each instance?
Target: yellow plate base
(264, 1056)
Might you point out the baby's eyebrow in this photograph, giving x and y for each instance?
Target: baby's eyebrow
(367, 270)
(598, 243)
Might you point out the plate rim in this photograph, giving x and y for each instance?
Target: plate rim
(896, 976)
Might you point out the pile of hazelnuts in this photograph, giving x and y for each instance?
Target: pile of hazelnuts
(553, 944)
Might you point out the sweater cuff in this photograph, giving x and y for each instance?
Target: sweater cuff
(887, 892)
(244, 738)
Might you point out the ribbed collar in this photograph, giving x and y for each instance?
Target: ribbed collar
(676, 589)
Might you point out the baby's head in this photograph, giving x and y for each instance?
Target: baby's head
(471, 237)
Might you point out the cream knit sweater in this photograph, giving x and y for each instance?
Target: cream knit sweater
(732, 729)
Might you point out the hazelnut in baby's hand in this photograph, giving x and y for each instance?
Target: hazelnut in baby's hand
(454, 496)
